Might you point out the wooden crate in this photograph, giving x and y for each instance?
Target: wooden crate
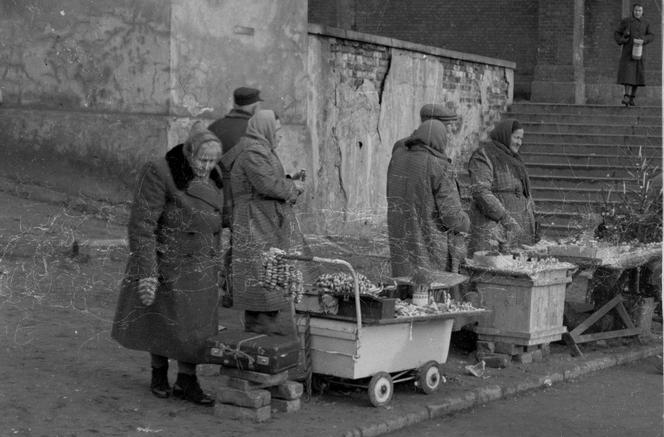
(524, 310)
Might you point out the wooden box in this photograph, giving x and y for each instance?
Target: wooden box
(372, 307)
(525, 310)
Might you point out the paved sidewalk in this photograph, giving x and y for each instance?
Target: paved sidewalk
(354, 416)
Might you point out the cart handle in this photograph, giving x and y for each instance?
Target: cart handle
(356, 285)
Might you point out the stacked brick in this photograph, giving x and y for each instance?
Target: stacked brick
(358, 61)
(254, 396)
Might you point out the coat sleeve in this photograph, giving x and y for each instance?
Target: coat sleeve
(481, 180)
(619, 34)
(648, 36)
(149, 201)
(448, 201)
(264, 178)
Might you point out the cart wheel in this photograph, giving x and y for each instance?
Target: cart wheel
(428, 377)
(381, 389)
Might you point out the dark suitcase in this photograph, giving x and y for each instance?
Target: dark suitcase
(256, 352)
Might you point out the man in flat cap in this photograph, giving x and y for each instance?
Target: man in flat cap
(229, 129)
(425, 218)
(430, 111)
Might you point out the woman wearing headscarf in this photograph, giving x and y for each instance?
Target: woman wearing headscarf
(424, 211)
(633, 31)
(263, 218)
(168, 299)
(502, 212)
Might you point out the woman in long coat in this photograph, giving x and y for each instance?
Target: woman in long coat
(263, 218)
(631, 72)
(168, 300)
(424, 208)
(502, 213)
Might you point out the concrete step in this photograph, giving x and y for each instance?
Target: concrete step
(559, 219)
(559, 157)
(587, 171)
(568, 108)
(565, 182)
(627, 118)
(572, 205)
(592, 195)
(629, 152)
(596, 138)
(588, 128)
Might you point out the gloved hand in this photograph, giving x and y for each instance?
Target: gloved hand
(147, 290)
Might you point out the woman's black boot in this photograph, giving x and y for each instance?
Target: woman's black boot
(186, 387)
(159, 385)
(631, 100)
(626, 99)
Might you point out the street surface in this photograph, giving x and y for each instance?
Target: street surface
(621, 401)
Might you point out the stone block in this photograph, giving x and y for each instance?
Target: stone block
(286, 406)
(485, 347)
(537, 355)
(241, 398)
(507, 348)
(546, 349)
(227, 411)
(256, 377)
(288, 390)
(524, 358)
(496, 361)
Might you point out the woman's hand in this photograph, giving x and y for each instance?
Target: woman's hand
(147, 290)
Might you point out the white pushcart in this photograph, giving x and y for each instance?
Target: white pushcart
(376, 354)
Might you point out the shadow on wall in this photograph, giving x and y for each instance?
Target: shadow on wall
(71, 175)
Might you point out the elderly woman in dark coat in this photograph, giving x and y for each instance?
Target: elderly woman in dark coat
(502, 212)
(631, 72)
(168, 301)
(263, 218)
(424, 211)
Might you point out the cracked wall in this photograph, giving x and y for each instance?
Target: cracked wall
(364, 97)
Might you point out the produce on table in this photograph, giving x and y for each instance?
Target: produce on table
(522, 263)
(404, 308)
(281, 277)
(342, 283)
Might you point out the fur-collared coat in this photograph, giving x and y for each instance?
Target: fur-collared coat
(174, 235)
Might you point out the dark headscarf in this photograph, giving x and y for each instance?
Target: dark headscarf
(263, 127)
(501, 137)
(432, 133)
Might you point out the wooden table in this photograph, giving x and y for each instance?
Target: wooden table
(611, 258)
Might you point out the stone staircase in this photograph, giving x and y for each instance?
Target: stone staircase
(582, 157)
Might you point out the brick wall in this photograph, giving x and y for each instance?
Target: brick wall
(356, 61)
(525, 31)
(365, 93)
(554, 42)
(504, 29)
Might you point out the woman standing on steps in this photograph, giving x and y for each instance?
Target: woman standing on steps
(632, 34)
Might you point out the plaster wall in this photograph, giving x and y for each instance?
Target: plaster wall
(356, 117)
